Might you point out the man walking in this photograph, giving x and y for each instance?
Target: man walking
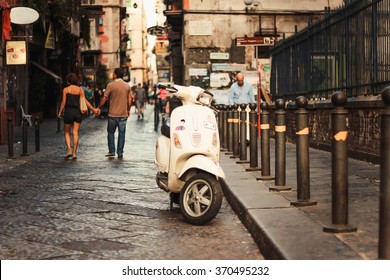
(119, 94)
(240, 91)
(141, 97)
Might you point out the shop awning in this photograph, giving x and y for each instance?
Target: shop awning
(49, 72)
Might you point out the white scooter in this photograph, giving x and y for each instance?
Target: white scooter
(188, 158)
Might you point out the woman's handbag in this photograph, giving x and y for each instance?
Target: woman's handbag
(83, 105)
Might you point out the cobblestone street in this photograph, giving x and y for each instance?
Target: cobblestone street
(101, 208)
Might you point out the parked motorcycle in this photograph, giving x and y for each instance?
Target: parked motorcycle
(187, 156)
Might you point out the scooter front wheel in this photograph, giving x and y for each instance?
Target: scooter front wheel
(200, 199)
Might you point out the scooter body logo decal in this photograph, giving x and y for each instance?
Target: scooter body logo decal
(181, 126)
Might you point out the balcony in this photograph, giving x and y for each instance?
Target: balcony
(174, 14)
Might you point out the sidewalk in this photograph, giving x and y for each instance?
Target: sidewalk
(47, 128)
(288, 232)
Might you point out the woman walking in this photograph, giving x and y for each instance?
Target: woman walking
(70, 105)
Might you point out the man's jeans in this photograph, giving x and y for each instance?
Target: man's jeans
(113, 123)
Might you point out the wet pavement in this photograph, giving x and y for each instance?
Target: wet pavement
(102, 208)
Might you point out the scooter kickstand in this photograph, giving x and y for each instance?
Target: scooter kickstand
(171, 205)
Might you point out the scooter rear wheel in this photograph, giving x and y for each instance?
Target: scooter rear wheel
(200, 199)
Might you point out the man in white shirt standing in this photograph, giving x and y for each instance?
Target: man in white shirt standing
(240, 91)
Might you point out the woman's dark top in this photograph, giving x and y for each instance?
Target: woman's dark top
(72, 109)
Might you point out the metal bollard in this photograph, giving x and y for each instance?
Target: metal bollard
(384, 196)
(10, 132)
(243, 146)
(230, 130)
(280, 147)
(302, 154)
(219, 122)
(58, 125)
(24, 137)
(253, 154)
(224, 128)
(236, 132)
(265, 143)
(339, 166)
(37, 140)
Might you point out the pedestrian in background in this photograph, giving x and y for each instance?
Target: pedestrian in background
(118, 93)
(70, 105)
(163, 99)
(240, 91)
(141, 98)
(97, 96)
(133, 94)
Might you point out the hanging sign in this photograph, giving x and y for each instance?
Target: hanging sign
(15, 52)
(50, 42)
(255, 41)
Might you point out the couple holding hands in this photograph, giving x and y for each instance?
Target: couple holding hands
(119, 94)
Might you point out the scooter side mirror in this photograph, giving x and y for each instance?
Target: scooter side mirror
(205, 98)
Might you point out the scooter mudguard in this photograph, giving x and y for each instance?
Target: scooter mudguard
(203, 163)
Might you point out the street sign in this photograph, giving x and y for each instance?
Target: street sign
(255, 41)
(156, 30)
(219, 56)
(161, 47)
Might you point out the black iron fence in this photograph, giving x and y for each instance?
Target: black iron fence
(348, 50)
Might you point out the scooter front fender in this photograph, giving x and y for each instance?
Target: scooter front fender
(203, 163)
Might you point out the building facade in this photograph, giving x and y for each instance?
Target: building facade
(137, 48)
(49, 50)
(212, 40)
(88, 37)
(106, 45)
